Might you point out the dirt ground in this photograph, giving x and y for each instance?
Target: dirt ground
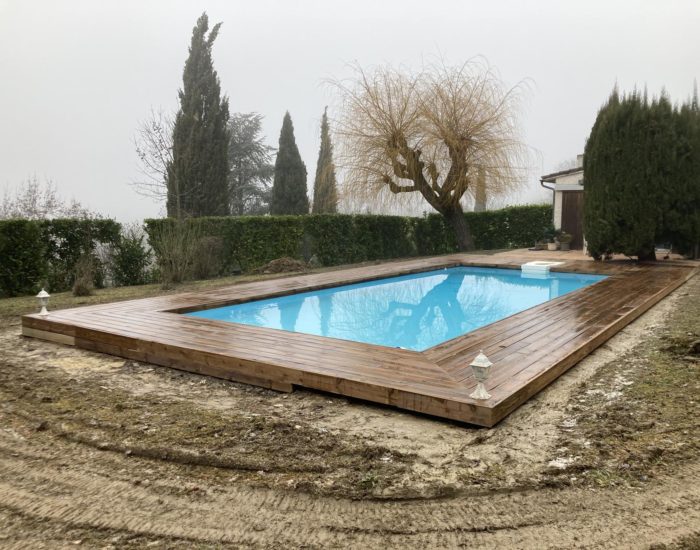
(100, 452)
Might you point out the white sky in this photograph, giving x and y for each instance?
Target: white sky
(76, 77)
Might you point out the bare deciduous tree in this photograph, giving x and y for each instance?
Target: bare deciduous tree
(154, 148)
(430, 134)
(34, 200)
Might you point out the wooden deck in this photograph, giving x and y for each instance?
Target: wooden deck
(529, 350)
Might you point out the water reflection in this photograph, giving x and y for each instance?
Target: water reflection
(411, 311)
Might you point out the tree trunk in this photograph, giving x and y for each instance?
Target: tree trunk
(455, 216)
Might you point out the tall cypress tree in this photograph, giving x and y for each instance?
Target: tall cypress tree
(289, 185)
(325, 190)
(642, 177)
(197, 176)
(621, 211)
(682, 216)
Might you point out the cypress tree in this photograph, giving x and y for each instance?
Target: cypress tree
(325, 189)
(197, 175)
(289, 185)
(682, 215)
(642, 177)
(620, 209)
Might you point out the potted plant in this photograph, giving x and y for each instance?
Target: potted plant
(564, 239)
(541, 244)
(550, 236)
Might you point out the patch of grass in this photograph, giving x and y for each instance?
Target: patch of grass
(639, 415)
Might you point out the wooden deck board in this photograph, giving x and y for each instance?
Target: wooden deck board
(529, 349)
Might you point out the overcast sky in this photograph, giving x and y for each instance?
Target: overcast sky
(76, 77)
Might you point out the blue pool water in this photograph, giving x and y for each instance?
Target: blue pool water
(410, 311)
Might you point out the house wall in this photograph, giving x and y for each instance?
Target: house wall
(576, 178)
(568, 179)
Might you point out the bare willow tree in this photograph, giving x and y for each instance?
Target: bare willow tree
(431, 134)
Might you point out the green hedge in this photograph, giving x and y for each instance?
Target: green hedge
(513, 227)
(343, 239)
(22, 257)
(36, 253)
(248, 241)
(68, 239)
(252, 241)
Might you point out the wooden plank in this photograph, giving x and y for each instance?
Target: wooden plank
(56, 337)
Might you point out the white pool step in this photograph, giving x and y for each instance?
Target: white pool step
(539, 267)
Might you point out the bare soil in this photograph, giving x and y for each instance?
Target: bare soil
(101, 452)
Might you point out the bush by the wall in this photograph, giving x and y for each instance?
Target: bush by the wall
(22, 261)
(252, 241)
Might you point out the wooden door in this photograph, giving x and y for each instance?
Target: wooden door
(572, 216)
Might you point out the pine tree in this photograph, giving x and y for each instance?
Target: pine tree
(289, 185)
(325, 189)
(197, 176)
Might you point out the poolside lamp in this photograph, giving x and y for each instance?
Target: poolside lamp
(43, 298)
(481, 366)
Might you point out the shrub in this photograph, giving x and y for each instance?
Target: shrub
(207, 261)
(83, 277)
(131, 258)
(175, 244)
(22, 260)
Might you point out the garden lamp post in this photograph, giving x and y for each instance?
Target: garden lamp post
(43, 298)
(481, 366)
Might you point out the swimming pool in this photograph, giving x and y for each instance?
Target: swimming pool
(416, 311)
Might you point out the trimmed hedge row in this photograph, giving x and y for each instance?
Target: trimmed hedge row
(68, 239)
(512, 227)
(35, 253)
(22, 257)
(251, 241)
